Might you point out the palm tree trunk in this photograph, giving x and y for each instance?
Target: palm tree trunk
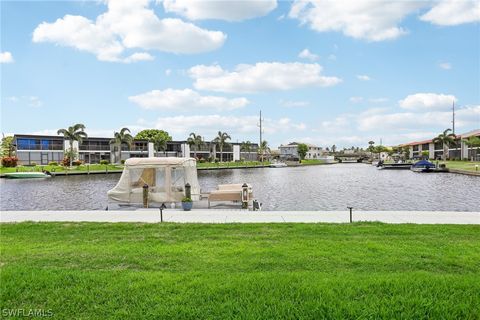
(71, 153)
(221, 153)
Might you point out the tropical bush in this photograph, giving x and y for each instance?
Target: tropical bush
(53, 163)
(33, 164)
(105, 162)
(122, 161)
(9, 161)
(77, 162)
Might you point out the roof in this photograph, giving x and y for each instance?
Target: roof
(294, 144)
(473, 133)
(157, 161)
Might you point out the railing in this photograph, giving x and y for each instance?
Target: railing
(95, 148)
(40, 147)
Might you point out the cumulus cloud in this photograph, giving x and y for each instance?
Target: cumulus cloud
(263, 76)
(363, 77)
(427, 101)
(6, 57)
(236, 126)
(128, 25)
(186, 99)
(220, 9)
(371, 20)
(306, 54)
(445, 65)
(453, 12)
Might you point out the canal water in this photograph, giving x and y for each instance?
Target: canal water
(328, 187)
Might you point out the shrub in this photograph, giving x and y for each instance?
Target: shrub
(66, 161)
(105, 162)
(53, 163)
(9, 161)
(33, 164)
(216, 160)
(186, 199)
(77, 162)
(201, 160)
(122, 161)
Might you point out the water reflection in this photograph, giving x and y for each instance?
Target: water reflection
(332, 187)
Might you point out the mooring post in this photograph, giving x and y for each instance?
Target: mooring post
(145, 195)
(350, 208)
(245, 196)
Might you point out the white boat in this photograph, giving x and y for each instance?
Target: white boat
(165, 177)
(26, 175)
(277, 164)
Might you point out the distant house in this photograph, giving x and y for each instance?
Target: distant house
(290, 151)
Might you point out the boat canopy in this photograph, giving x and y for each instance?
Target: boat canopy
(166, 178)
(423, 164)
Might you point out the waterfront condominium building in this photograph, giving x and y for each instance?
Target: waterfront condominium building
(458, 150)
(42, 149)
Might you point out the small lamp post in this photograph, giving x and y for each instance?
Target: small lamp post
(350, 208)
(244, 196)
(145, 195)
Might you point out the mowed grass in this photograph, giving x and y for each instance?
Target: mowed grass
(254, 271)
(463, 165)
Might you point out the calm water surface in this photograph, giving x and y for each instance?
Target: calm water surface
(332, 187)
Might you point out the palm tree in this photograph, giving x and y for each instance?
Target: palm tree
(473, 142)
(246, 146)
(221, 140)
(263, 148)
(73, 133)
(446, 139)
(160, 144)
(123, 136)
(196, 141)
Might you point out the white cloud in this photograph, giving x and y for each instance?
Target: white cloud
(427, 101)
(404, 121)
(186, 99)
(128, 25)
(6, 57)
(363, 77)
(263, 76)
(453, 12)
(372, 20)
(445, 65)
(356, 99)
(236, 126)
(294, 104)
(306, 54)
(220, 9)
(168, 72)
(31, 101)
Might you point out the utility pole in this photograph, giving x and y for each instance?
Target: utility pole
(453, 116)
(260, 126)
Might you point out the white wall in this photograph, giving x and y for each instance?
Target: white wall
(236, 152)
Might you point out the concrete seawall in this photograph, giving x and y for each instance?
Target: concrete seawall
(239, 216)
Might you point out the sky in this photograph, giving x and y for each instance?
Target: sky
(321, 72)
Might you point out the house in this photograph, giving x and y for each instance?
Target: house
(290, 151)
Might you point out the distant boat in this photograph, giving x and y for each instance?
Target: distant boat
(26, 175)
(393, 166)
(424, 166)
(278, 165)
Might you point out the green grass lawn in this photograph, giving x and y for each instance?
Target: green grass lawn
(307, 162)
(254, 271)
(82, 168)
(239, 164)
(112, 167)
(462, 165)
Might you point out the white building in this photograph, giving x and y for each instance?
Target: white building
(290, 151)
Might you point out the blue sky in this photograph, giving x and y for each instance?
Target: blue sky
(324, 72)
